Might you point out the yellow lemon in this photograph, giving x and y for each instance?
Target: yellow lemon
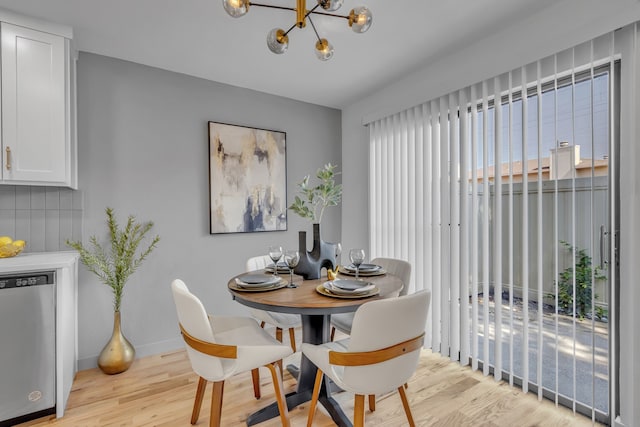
(5, 240)
(6, 251)
(19, 243)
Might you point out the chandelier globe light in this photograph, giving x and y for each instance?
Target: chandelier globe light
(236, 8)
(359, 19)
(324, 50)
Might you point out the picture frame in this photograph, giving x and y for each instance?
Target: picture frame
(247, 179)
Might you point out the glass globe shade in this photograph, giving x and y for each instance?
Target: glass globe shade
(277, 41)
(324, 50)
(330, 5)
(360, 19)
(236, 8)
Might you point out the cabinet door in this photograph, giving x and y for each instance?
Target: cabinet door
(34, 130)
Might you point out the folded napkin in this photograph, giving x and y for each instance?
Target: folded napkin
(361, 290)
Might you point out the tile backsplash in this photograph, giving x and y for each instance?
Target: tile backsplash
(44, 217)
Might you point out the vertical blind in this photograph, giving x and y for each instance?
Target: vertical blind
(492, 193)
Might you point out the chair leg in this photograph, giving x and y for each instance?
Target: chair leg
(372, 402)
(358, 411)
(280, 397)
(292, 338)
(279, 338)
(197, 404)
(333, 333)
(405, 403)
(255, 376)
(406, 386)
(216, 404)
(262, 324)
(314, 397)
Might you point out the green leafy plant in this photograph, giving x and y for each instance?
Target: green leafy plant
(116, 264)
(584, 275)
(316, 199)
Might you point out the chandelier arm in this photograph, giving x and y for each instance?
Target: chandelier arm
(309, 12)
(290, 28)
(328, 14)
(312, 11)
(314, 27)
(271, 6)
(307, 15)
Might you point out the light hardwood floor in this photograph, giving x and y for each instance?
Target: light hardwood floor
(159, 391)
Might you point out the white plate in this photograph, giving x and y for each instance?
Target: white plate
(323, 291)
(278, 285)
(362, 290)
(282, 268)
(349, 284)
(364, 268)
(256, 280)
(370, 273)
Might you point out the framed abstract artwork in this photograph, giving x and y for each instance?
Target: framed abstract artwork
(247, 179)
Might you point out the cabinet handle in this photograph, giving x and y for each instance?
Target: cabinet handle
(8, 158)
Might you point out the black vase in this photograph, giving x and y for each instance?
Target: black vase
(322, 255)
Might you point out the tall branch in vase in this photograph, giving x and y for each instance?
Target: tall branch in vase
(311, 204)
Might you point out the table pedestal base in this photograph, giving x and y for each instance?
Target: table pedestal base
(315, 330)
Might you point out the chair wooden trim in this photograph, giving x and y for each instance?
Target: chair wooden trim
(362, 359)
(231, 352)
(292, 339)
(209, 348)
(292, 335)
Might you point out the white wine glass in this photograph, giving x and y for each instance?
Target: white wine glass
(275, 253)
(357, 257)
(292, 258)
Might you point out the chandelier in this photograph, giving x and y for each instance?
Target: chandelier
(359, 19)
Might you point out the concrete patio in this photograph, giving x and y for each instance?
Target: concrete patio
(572, 341)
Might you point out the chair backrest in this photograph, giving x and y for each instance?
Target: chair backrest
(194, 319)
(381, 324)
(258, 262)
(397, 267)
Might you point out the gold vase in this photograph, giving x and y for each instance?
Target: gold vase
(118, 354)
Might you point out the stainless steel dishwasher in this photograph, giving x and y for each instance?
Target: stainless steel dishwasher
(27, 346)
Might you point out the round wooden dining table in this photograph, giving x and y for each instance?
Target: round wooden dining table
(315, 310)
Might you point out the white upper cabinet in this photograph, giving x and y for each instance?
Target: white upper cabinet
(38, 105)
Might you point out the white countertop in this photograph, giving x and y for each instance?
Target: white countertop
(36, 261)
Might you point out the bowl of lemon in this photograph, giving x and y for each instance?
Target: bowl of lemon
(10, 247)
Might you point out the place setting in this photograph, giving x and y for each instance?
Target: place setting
(347, 288)
(270, 280)
(257, 282)
(351, 288)
(283, 268)
(358, 268)
(280, 267)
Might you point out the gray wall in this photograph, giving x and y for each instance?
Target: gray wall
(143, 150)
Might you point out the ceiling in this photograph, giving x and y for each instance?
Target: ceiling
(198, 38)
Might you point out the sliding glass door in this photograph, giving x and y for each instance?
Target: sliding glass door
(539, 175)
(502, 196)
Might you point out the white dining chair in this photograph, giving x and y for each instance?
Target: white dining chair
(381, 354)
(397, 267)
(222, 346)
(282, 321)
